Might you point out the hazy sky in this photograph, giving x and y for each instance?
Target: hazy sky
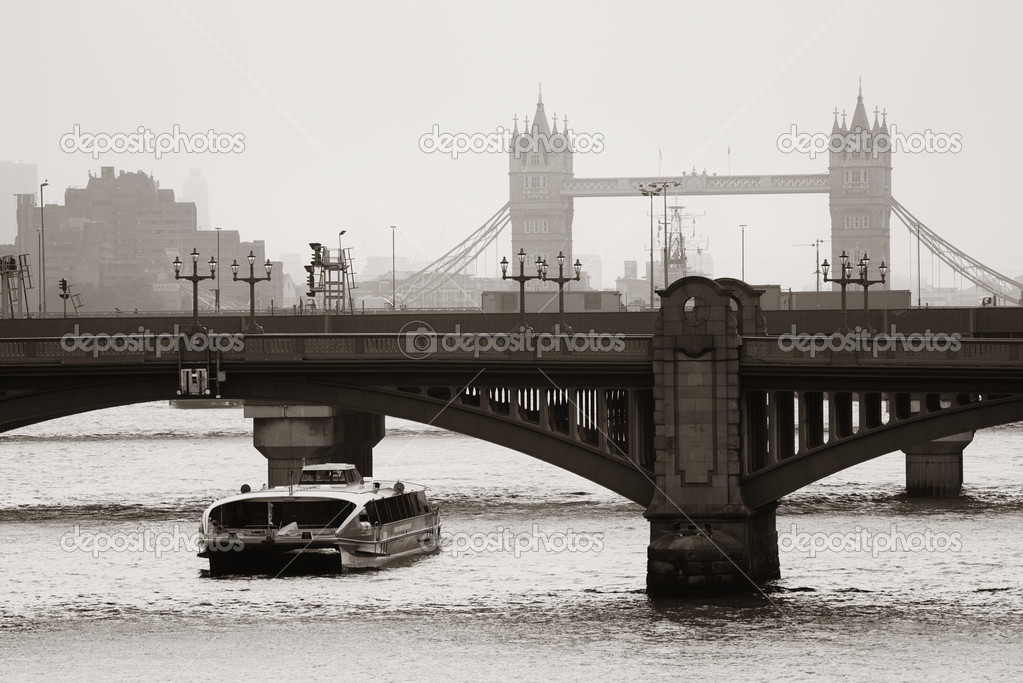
(332, 99)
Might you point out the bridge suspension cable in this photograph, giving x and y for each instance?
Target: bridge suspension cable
(429, 279)
(988, 279)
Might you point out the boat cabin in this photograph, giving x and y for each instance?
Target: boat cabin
(330, 474)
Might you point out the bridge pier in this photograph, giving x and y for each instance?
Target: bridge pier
(704, 539)
(288, 435)
(934, 469)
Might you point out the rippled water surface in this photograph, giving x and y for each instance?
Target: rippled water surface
(470, 613)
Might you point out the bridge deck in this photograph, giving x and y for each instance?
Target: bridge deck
(695, 184)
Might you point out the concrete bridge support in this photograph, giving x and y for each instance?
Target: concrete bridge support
(704, 538)
(290, 434)
(934, 469)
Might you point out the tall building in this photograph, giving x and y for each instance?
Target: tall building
(861, 190)
(195, 189)
(119, 232)
(116, 238)
(593, 266)
(15, 178)
(540, 160)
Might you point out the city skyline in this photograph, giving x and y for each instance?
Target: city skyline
(328, 146)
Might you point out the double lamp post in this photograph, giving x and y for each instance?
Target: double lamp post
(541, 274)
(195, 278)
(846, 279)
(252, 325)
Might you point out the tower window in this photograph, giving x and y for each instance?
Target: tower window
(854, 222)
(536, 181)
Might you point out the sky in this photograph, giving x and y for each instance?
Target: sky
(331, 100)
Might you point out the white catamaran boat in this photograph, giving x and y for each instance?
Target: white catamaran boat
(332, 518)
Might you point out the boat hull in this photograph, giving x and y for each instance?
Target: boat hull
(385, 545)
(274, 562)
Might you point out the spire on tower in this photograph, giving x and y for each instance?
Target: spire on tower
(540, 117)
(835, 129)
(859, 120)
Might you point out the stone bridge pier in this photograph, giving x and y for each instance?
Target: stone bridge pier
(704, 539)
(288, 435)
(934, 469)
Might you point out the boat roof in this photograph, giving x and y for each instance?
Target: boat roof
(360, 494)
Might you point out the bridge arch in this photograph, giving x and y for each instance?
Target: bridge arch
(617, 474)
(773, 482)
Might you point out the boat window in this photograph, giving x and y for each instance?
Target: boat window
(395, 508)
(306, 513)
(312, 513)
(321, 477)
(240, 513)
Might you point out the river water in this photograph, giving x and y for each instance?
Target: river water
(569, 604)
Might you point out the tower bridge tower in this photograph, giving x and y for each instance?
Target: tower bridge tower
(860, 166)
(539, 162)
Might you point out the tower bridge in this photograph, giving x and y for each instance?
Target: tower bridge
(543, 187)
(698, 412)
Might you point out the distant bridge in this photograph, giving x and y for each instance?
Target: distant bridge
(858, 183)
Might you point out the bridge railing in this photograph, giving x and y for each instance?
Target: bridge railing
(440, 320)
(89, 349)
(912, 349)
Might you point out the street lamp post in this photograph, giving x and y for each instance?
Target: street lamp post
(651, 194)
(561, 280)
(662, 189)
(218, 272)
(865, 281)
(253, 326)
(394, 301)
(39, 251)
(522, 278)
(847, 279)
(195, 279)
(42, 242)
(743, 251)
